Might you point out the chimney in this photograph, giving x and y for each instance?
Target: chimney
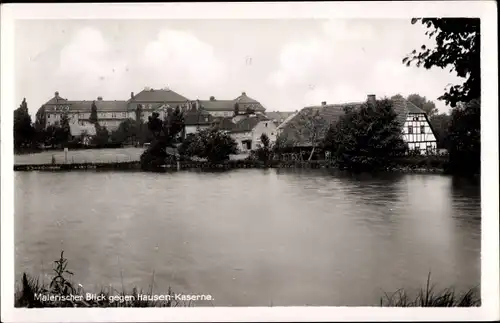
(56, 95)
(99, 98)
(371, 98)
(212, 98)
(243, 93)
(323, 103)
(131, 95)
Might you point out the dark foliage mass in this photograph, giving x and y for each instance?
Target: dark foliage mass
(24, 133)
(165, 134)
(367, 138)
(211, 144)
(458, 48)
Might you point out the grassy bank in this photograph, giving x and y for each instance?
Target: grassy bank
(64, 293)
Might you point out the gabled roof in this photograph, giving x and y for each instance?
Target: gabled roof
(162, 95)
(56, 100)
(287, 120)
(243, 98)
(249, 123)
(279, 116)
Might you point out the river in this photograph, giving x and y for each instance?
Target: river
(252, 237)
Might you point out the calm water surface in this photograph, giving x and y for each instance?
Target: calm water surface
(252, 237)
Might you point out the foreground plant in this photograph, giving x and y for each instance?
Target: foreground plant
(429, 298)
(62, 293)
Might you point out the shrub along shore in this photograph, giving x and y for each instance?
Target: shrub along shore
(407, 167)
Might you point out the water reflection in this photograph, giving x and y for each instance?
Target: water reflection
(252, 236)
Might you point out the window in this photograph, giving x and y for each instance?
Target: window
(410, 129)
(266, 124)
(422, 129)
(415, 118)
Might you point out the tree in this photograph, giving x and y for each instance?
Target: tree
(93, 114)
(165, 134)
(263, 153)
(308, 128)
(440, 124)
(126, 131)
(465, 139)
(23, 130)
(101, 137)
(62, 131)
(40, 122)
(421, 101)
(212, 144)
(457, 47)
(366, 138)
(139, 124)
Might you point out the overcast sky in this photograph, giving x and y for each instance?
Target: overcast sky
(284, 64)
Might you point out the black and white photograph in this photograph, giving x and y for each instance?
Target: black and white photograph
(241, 156)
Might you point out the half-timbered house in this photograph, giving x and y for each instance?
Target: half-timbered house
(416, 128)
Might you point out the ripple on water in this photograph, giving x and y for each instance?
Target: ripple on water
(339, 238)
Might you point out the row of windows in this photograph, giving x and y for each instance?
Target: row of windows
(428, 149)
(113, 115)
(410, 130)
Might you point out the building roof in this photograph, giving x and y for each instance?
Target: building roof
(296, 132)
(102, 106)
(243, 98)
(247, 102)
(288, 119)
(279, 115)
(249, 122)
(244, 125)
(224, 123)
(217, 105)
(195, 117)
(331, 113)
(161, 95)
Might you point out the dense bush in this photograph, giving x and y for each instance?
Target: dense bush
(366, 138)
(212, 144)
(165, 133)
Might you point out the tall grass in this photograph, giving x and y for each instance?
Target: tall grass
(428, 297)
(61, 285)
